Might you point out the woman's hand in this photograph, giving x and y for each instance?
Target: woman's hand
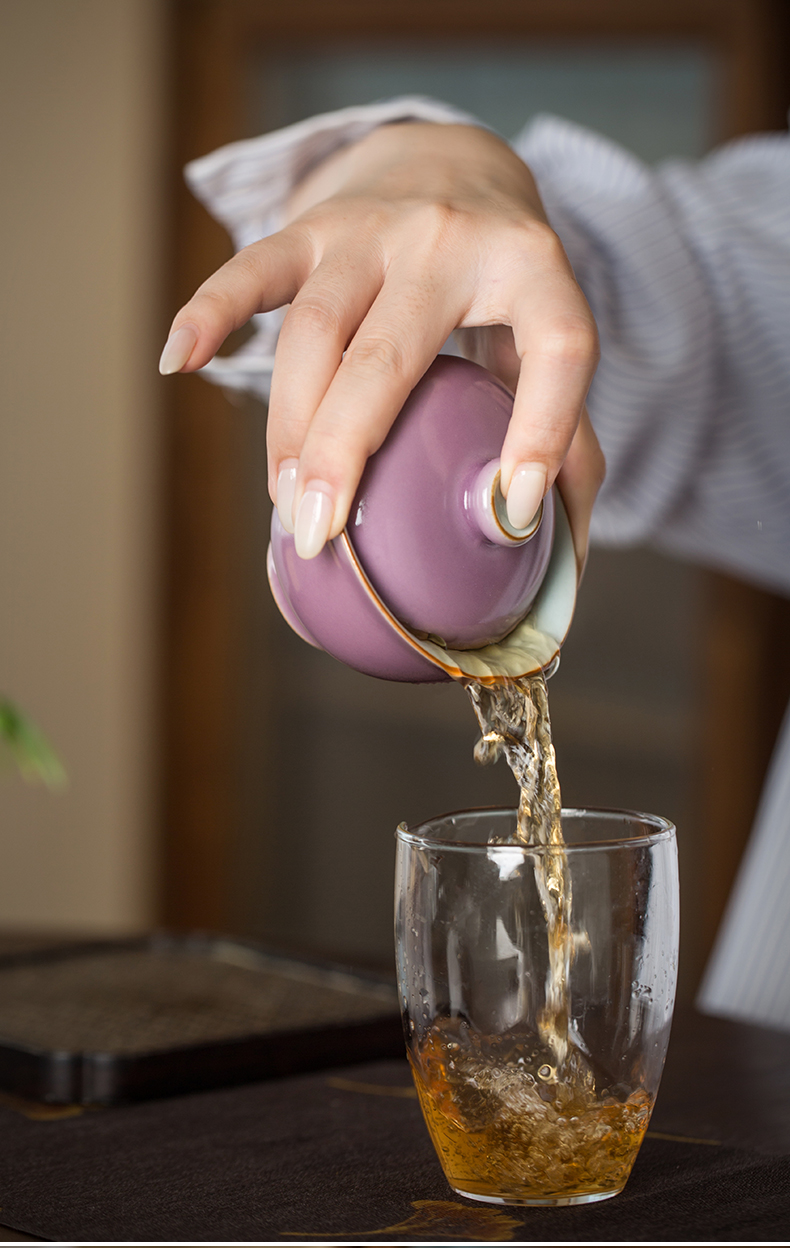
(393, 243)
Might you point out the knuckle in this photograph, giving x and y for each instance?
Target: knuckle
(572, 342)
(438, 219)
(212, 304)
(540, 243)
(244, 272)
(314, 316)
(379, 355)
(247, 262)
(598, 467)
(432, 228)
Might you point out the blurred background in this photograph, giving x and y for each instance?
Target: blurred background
(224, 776)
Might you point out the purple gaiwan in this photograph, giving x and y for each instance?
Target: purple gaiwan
(429, 581)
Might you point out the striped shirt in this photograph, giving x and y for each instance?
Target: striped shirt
(687, 270)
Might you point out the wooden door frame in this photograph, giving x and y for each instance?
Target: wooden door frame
(205, 593)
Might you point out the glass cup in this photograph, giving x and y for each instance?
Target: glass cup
(536, 1055)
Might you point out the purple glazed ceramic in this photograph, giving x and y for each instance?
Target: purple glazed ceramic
(429, 569)
(346, 619)
(424, 523)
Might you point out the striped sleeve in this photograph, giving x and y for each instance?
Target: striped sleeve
(687, 270)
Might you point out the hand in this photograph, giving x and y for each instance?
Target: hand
(393, 243)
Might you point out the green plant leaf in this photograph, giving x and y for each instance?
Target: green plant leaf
(25, 747)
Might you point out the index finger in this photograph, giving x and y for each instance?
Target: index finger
(261, 277)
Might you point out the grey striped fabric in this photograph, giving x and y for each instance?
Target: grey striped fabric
(748, 974)
(687, 270)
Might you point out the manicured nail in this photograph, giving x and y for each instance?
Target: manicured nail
(178, 349)
(286, 484)
(527, 487)
(313, 520)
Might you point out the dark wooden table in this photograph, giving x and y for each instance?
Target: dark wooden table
(726, 1081)
(343, 1155)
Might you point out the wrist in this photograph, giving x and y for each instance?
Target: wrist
(421, 159)
(357, 162)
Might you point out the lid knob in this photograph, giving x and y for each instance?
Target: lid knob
(487, 506)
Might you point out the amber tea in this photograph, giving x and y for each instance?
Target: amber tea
(504, 1124)
(526, 1043)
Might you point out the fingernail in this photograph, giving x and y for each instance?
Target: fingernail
(527, 487)
(313, 519)
(286, 484)
(178, 349)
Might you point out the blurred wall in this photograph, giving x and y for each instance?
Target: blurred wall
(81, 111)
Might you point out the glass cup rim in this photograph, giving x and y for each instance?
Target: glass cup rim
(664, 831)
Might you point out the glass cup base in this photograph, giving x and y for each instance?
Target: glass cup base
(584, 1198)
